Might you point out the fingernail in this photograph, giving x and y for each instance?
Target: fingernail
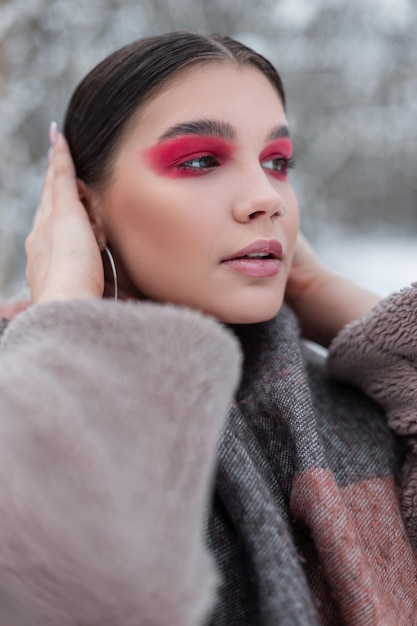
(53, 133)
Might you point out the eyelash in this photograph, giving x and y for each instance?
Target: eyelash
(284, 165)
(186, 166)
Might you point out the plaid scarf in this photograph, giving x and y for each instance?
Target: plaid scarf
(306, 525)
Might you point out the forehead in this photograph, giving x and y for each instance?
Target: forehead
(239, 95)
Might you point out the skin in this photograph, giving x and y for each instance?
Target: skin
(194, 220)
(171, 226)
(323, 300)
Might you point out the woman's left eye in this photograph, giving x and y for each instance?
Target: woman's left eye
(279, 165)
(201, 163)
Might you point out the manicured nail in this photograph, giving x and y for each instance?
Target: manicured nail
(53, 133)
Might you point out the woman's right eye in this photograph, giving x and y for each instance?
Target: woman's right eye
(200, 164)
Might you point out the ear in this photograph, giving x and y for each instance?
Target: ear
(90, 200)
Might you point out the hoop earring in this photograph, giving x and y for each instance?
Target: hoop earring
(113, 269)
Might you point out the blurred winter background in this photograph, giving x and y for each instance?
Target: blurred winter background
(350, 74)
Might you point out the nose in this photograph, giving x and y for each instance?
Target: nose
(258, 199)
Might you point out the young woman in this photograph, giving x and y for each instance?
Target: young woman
(176, 174)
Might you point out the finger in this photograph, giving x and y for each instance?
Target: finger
(46, 200)
(65, 188)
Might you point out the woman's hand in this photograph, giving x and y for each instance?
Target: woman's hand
(63, 257)
(323, 301)
(306, 271)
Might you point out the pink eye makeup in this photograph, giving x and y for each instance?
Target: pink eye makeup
(191, 155)
(277, 159)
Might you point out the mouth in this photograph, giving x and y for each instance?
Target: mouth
(261, 249)
(260, 259)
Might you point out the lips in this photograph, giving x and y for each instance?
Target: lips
(261, 249)
(260, 259)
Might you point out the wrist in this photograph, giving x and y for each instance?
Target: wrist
(60, 295)
(327, 303)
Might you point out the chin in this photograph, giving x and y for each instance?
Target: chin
(251, 315)
(250, 319)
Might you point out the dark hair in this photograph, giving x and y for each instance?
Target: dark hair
(107, 98)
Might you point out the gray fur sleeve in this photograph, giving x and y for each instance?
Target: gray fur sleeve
(378, 353)
(109, 417)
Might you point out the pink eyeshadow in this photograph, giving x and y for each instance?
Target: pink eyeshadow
(279, 147)
(164, 157)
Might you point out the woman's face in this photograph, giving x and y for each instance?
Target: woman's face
(199, 183)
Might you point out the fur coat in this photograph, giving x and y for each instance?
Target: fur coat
(143, 484)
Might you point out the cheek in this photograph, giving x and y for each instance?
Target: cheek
(162, 217)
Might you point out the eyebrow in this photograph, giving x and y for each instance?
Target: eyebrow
(278, 133)
(209, 128)
(215, 128)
